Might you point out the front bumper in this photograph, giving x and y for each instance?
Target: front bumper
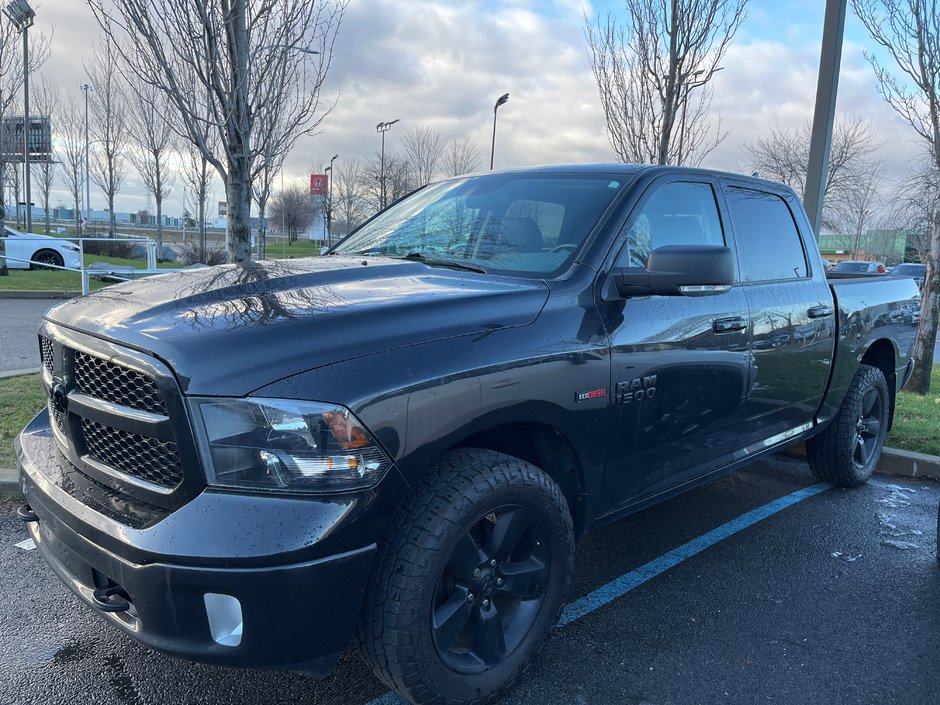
(296, 614)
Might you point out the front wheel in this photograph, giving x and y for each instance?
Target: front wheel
(848, 450)
(44, 258)
(470, 581)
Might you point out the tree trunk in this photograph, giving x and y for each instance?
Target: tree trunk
(112, 224)
(929, 309)
(159, 228)
(238, 193)
(46, 206)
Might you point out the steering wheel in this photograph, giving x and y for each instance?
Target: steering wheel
(566, 246)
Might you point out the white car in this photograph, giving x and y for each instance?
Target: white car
(39, 250)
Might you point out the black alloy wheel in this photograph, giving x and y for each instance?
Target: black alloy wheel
(491, 589)
(868, 428)
(44, 258)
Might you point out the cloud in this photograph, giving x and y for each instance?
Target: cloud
(443, 64)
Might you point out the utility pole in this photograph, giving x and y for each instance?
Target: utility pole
(22, 16)
(86, 87)
(382, 128)
(329, 204)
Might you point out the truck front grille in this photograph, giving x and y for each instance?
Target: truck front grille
(122, 423)
(116, 383)
(148, 459)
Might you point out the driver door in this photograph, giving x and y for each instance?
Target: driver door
(679, 364)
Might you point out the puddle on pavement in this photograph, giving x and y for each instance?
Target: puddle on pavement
(893, 531)
(849, 556)
(898, 498)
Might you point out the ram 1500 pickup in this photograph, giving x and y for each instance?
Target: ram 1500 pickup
(398, 444)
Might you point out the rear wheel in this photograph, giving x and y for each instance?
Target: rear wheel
(43, 258)
(470, 581)
(847, 452)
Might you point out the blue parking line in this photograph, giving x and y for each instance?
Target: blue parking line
(625, 583)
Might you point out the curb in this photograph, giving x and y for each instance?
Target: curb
(19, 373)
(29, 294)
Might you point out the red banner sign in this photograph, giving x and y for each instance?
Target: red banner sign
(319, 184)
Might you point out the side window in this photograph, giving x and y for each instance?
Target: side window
(767, 237)
(678, 213)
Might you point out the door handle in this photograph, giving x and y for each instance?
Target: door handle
(729, 325)
(819, 311)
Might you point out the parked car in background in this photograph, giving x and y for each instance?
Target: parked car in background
(860, 267)
(915, 271)
(32, 251)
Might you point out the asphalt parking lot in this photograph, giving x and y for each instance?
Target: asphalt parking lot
(723, 595)
(20, 319)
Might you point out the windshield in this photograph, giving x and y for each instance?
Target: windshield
(528, 224)
(910, 270)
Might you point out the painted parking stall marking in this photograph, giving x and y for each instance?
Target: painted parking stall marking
(628, 581)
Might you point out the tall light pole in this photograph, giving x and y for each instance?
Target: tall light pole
(499, 101)
(22, 17)
(86, 88)
(329, 204)
(382, 128)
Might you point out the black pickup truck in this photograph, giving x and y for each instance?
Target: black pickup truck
(399, 443)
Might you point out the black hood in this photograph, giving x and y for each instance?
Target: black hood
(231, 329)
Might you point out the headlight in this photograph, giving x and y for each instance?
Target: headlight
(70, 246)
(283, 444)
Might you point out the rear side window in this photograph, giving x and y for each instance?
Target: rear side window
(678, 213)
(767, 237)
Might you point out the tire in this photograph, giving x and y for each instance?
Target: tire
(45, 257)
(847, 451)
(441, 623)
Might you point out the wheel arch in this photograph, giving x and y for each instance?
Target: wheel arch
(44, 250)
(881, 354)
(545, 447)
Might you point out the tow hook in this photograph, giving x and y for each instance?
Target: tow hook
(102, 597)
(26, 513)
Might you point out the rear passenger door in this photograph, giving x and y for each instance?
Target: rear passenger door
(791, 314)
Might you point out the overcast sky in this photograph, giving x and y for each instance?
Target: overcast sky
(443, 64)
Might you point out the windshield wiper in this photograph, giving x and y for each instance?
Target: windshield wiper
(453, 264)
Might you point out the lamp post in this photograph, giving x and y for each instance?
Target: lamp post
(499, 101)
(86, 88)
(22, 17)
(329, 204)
(382, 128)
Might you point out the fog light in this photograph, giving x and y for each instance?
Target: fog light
(225, 618)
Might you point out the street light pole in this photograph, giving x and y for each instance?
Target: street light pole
(382, 128)
(22, 16)
(329, 204)
(86, 88)
(499, 101)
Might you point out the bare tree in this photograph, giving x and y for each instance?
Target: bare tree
(70, 126)
(11, 82)
(859, 209)
(151, 135)
(261, 188)
(108, 124)
(461, 158)
(424, 149)
(350, 203)
(914, 201)
(783, 157)
(198, 176)
(398, 179)
(296, 208)
(46, 97)
(909, 32)
(255, 59)
(653, 72)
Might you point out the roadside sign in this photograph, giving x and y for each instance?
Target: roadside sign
(319, 184)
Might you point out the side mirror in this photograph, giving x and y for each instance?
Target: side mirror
(679, 270)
